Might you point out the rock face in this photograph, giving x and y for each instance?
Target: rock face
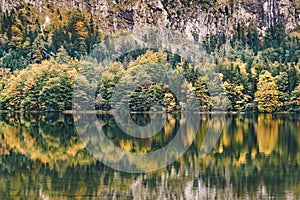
(196, 20)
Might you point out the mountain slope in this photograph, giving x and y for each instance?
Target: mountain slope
(197, 19)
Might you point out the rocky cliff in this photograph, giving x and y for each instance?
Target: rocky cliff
(197, 19)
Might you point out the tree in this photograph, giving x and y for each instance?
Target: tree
(109, 78)
(267, 95)
(275, 36)
(45, 86)
(62, 56)
(81, 30)
(295, 98)
(282, 82)
(11, 92)
(202, 95)
(236, 95)
(188, 92)
(53, 95)
(40, 49)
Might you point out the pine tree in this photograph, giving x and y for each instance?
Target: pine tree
(282, 82)
(40, 49)
(62, 56)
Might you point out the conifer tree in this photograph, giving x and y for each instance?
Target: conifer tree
(62, 56)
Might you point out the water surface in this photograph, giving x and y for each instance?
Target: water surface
(257, 156)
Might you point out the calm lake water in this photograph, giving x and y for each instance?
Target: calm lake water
(256, 157)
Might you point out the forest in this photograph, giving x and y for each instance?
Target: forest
(39, 66)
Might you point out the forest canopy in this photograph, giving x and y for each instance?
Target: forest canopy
(39, 67)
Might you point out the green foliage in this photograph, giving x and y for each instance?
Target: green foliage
(294, 101)
(257, 73)
(282, 83)
(56, 94)
(145, 97)
(275, 37)
(109, 78)
(202, 94)
(62, 56)
(23, 42)
(237, 95)
(46, 86)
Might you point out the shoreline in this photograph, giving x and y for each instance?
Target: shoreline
(111, 112)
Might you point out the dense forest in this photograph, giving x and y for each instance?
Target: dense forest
(39, 66)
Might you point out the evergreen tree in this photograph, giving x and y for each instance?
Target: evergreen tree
(62, 56)
(40, 50)
(282, 82)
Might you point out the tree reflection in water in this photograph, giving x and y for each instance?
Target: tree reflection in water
(257, 156)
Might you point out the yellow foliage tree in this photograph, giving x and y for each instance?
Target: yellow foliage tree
(267, 95)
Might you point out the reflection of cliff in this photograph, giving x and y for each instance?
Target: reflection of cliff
(267, 133)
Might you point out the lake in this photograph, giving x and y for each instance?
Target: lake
(42, 156)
